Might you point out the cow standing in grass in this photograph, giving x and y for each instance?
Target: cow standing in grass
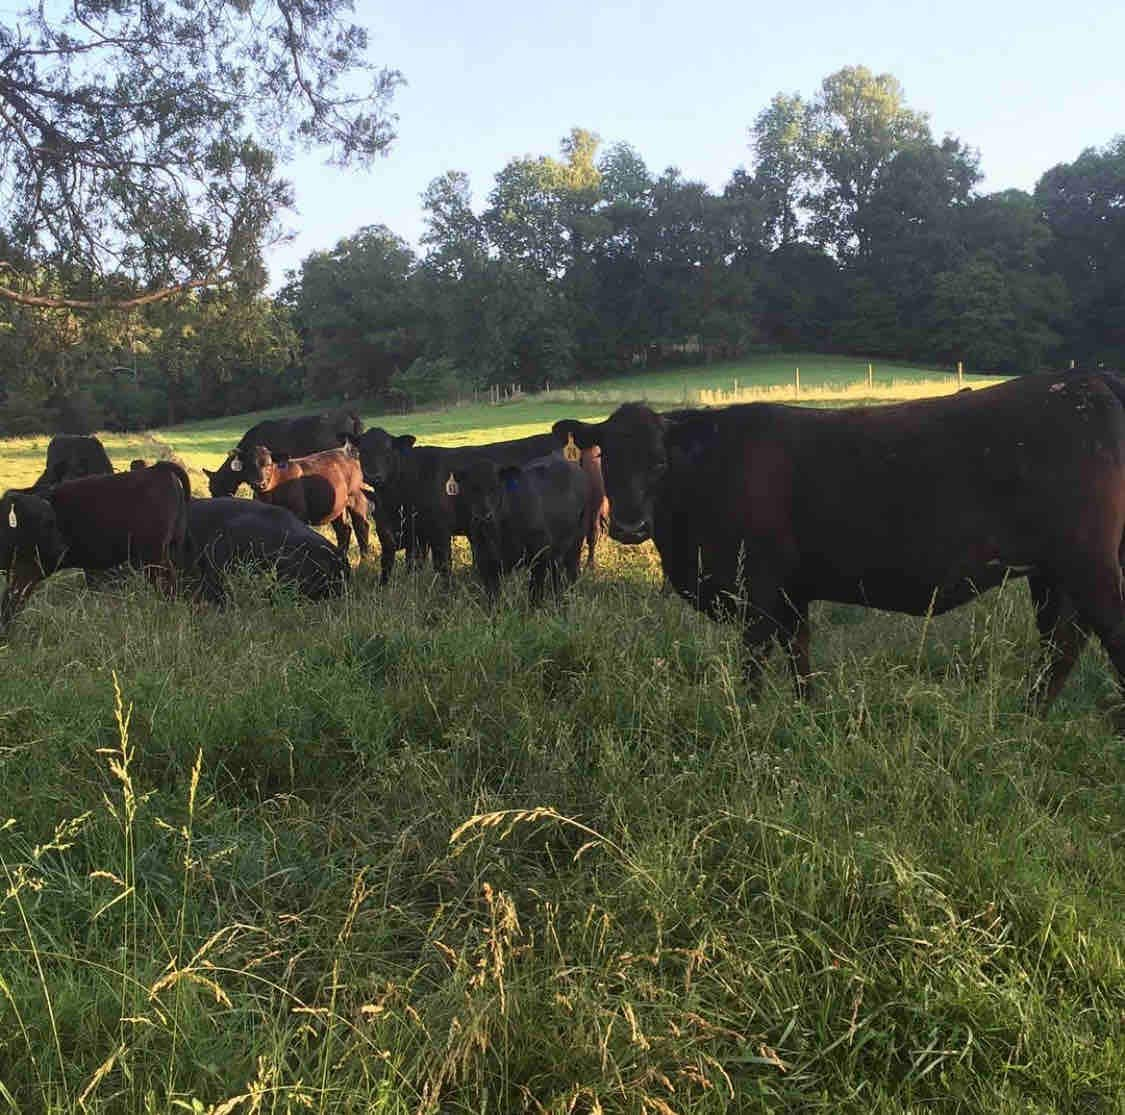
(70, 457)
(414, 496)
(285, 437)
(136, 518)
(320, 488)
(531, 515)
(759, 509)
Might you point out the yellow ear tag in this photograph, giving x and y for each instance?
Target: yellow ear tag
(451, 486)
(571, 451)
(13, 522)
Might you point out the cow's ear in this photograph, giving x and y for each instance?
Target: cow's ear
(585, 434)
(404, 442)
(693, 436)
(510, 477)
(208, 473)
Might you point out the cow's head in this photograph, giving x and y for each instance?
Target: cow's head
(380, 455)
(260, 470)
(225, 480)
(634, 461)
(31, 547)
(638, 449)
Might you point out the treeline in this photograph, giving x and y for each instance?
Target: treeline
(852, 230)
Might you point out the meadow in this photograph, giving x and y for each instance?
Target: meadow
(409, 853)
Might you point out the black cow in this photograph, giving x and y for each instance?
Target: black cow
(72, 456)
(759, 509)
(286, 437)
(533, 515)
(419, 494)
(137, 518)
(224, 534)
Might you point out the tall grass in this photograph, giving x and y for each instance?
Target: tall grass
(405, 853)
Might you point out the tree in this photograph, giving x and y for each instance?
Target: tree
(358, 313)
(1084, 206)
(141, 143)
(858, 123)
(784, 167)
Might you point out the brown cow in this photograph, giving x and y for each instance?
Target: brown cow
(759, 509)
(96, 523)
(321, 488)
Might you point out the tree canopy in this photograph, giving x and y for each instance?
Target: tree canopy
(141, 144)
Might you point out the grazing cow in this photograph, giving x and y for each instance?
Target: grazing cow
(70, 457)
(321, 488)
(533, 515)
(758, 509)
(421, 500)
(286, 437)
(96, 523)
(226, 533)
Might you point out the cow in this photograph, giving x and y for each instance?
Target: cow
(70, 457)
(532, 515)
(96, 523)
(225, 533)
(420, 496)
(321, 488)
(759, 509)
(286, 437)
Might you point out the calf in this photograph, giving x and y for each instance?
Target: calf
(137, 518)
(757, 510)
(533, 515)
(226, 533)
(422, 499)
(285, 437)
(70, 457)
(320, 488)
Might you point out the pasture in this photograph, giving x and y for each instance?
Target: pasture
(407, 853)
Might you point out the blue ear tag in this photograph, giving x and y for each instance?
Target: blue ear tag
(511, 481)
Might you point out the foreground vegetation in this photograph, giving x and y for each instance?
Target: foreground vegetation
(404, 853)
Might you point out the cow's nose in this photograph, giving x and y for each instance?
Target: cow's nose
(628, 532)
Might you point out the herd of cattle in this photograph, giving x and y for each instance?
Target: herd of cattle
(756, 510)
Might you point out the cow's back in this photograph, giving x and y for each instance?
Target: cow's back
(136, 516)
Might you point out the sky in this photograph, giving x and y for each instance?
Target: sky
(1029, 84)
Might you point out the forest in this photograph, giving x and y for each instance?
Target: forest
(852, 229)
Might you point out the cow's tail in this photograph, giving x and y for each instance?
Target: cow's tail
(180, 547)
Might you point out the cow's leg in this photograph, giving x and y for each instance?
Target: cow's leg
(442, 549)
(1098, 593)
(23, 579)
(386, 554)
(1060, 636)
(798, 634)
(362, 530)
(539, 569)
(343, 531)
(572, 563)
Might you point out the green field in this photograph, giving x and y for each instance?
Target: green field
(405, 853)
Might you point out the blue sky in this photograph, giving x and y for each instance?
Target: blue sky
(1029, 84)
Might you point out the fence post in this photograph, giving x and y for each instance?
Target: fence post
(797, 380)
(960, 374)
(870, 376)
